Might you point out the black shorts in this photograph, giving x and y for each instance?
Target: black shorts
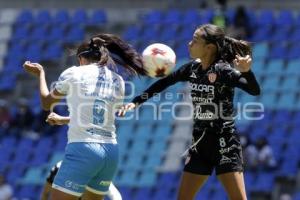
(222, 152)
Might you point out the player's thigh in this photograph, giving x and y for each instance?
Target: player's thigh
(59, 195)
(88, 195)
(190, 184)
(234, 185)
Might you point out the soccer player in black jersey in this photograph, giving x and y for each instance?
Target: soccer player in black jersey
(220, 64)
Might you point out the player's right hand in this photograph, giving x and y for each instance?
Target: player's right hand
(54, 119)
(122, 111)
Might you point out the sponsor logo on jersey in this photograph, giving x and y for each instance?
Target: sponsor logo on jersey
(193, 75)
(212, 77)
(202, 88)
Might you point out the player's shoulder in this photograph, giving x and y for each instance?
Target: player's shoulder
(190, 65)
(69, 71)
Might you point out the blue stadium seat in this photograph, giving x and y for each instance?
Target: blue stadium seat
(186, 34)
(132, 33)
(25, 17)
(144, 132)
(275, 67)
(152, 18)
(139, 146)
(56, 34)
(34, 52)
(287, 101)
(261, 34)
(153, 160)
(61, 17)
(269, 99)
(129, 178)
(40, 157)
(271, 83)
(15, 172)
(182, 51)
(169, 33)
(296, 196)
(143, 193)
(162, 132)
(264, 182)
(190, 17)
(53, 51)
(206, 16)
(75, 34)
(260, 51)
(295, 35)
(150, 33)
(172, 17)
(297, 21)
(265, 18)
(21, 32)
(8, 82)
(40, 32)
(79, 17)
(43, 17)
(290, 166)
(289, 83)
(97, 18)
(293, 52)
(280, 34)
(34, 175)
(278, 51)
(147, 178)
(293, 67)
(284, 19)
(161, 193)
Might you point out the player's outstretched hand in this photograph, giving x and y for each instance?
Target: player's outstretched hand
(33, 68)
(55, 119)
(122, 111)
(243, 64)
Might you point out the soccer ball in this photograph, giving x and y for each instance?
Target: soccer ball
(159, 60)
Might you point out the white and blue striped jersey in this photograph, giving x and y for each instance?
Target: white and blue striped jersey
(93, 94)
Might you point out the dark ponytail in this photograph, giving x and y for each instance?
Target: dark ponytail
(232, 47)
(108, 49)
(123, 54)
(227, 47)
(95, 51)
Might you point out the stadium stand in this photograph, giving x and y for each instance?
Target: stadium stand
(150, 149)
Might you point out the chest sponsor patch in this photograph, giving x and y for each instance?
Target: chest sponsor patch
(212, 77)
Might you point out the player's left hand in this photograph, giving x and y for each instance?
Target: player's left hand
(33, 68)
(243, 64)
(54, 119)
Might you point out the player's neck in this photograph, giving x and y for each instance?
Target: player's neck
(206, 62)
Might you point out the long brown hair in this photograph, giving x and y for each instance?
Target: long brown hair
(109, 49)
(227, 47)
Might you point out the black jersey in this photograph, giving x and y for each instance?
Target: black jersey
(212, 92)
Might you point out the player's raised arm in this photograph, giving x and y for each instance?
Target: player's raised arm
(47, 98)
(181, 74)
(247, 80)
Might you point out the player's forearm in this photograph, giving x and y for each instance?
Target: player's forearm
(44, 91)
(64, 120)
(249, 83)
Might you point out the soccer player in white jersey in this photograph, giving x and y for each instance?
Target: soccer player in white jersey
(92, 91)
